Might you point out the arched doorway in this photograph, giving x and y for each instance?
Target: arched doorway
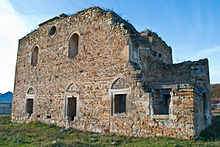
(30, 101)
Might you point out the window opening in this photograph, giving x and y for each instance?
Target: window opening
(161, 102)
(73, 45)
(120, 103)
(34, 56)
(52, 30)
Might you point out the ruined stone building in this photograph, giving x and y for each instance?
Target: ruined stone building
(94, 71)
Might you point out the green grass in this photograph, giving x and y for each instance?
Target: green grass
(38, 134)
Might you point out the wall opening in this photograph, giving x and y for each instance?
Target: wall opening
(29, 106)
(34, 56)
(52, 30)
(71, 108)
(48, 116)
(120, 93)
(73, 45)
(120, 103)
(30, 101)
(161, 102)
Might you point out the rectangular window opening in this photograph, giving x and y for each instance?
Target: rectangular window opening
(120, 103)
(161, 102)
(71, 108)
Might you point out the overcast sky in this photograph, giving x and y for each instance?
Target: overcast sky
(190, 27)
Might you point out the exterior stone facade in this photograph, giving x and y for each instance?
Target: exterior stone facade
(93, 71)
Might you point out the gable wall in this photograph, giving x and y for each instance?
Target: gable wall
(91, 71)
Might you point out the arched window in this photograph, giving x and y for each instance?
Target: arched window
(73, 45)
(34, 56)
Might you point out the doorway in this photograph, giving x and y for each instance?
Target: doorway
(71, 108)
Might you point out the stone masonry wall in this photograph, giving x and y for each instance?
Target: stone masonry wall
(180, 123)
(160, 49)
(92, 71)
(113, 59)
(156, 72)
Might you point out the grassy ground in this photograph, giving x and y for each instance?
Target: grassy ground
(37, 134)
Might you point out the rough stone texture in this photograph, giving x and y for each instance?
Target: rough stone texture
(113, 59)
